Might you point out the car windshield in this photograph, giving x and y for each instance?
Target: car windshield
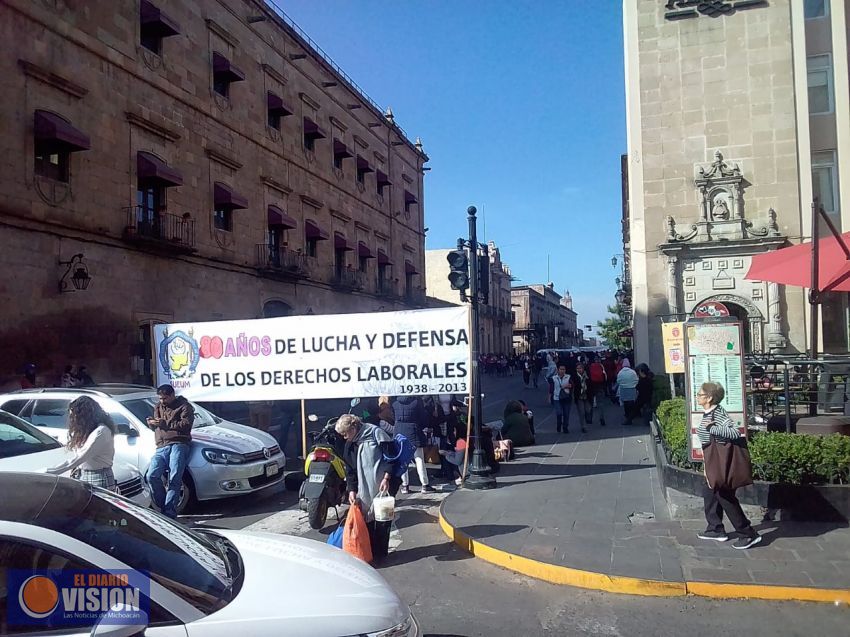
(186, 563)
(19, 438)
(142, 408)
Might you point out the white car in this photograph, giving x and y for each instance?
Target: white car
(25, 448)
(204, 583)
(226, 458)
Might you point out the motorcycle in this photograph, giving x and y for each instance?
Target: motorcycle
(324, 468)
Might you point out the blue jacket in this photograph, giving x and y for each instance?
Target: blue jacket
(410, 419)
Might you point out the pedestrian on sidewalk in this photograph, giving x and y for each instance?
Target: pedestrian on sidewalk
(643, 405)
(411, 421)
(515, 425)
(627, 380)
(562, 399)
(368, 473)
(583, 396)
(717, 423)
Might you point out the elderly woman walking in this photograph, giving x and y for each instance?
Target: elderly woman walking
(368, 473)
(718, 499)
(91, 436)
(627, 382)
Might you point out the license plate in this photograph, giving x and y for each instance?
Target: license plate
(317, 477)
(272, 469)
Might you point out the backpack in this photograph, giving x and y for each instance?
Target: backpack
(399, 452)
(597, 373)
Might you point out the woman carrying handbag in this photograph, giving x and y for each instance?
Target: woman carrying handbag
(727, 468)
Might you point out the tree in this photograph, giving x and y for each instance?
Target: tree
(609, 329)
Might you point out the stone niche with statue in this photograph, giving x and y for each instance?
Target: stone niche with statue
(708, 256)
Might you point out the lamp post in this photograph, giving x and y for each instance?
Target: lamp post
(480, 476)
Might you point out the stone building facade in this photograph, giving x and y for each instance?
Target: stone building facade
(731, 107)
(206, 162)
(496, 318)
(544, 319)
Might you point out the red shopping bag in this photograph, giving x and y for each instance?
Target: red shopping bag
(355, 538)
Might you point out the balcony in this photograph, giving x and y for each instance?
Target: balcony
(159, 230)
(347, 279)
(281, 263)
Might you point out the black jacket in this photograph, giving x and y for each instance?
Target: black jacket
(644, 391)
(410, 419)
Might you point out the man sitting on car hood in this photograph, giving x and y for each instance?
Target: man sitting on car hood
(172, 424)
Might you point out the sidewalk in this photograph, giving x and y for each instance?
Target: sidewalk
(587, 510)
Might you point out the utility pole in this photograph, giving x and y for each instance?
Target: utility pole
(480, 475)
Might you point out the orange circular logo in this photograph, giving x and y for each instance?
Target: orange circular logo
(38, 596)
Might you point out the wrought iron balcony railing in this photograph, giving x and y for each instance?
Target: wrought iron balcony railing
(159, 228)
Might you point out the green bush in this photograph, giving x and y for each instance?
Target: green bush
(660, 390)
(776, 456)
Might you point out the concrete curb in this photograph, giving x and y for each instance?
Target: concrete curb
(565, 575)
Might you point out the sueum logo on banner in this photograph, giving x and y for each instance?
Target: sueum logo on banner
(54, 599)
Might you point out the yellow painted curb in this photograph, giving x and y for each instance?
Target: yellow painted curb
(634, 586)
(562, 574)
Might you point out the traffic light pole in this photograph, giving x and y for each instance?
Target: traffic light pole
(480, 475)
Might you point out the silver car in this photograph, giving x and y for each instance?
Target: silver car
(226, 458)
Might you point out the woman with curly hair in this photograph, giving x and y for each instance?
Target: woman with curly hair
(91, 436)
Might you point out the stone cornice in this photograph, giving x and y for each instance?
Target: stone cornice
(313, 202)
(52, 79)
(338, 123)
(274, 74)
(362, 226)
(223, 33)
(274, 184)
(382, 235)
(222, 157)
(152, 127)
(738, 246)
(309, 101)
(362, 142)
(340, 215)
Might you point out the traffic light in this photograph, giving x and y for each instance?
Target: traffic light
(484, 278)
(458, 269)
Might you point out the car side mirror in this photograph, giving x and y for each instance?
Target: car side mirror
(126, 429)
(110, 624)
(355, 402)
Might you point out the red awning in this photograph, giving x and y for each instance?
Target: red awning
(277, 218)
(382, 178)
(363, 165)
(383, 259)
(313, 231)
(50, 127)
(364, 251)
(409, 197)
(222, 67)
(276, 104)
(312, 129)
(341, 150)
(226, 197)
(155, 22)
(149, 167)
(793, 265)
(341, 243)
(409, 268)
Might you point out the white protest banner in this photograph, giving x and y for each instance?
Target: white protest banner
(325, 356)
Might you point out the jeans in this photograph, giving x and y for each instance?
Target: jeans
(562, 413)
(585, 406)
(720, 501)
(174, 459)
(419, 461)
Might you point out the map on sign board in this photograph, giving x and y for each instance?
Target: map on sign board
(708, 339)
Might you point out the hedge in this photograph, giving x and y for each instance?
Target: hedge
(777, 456)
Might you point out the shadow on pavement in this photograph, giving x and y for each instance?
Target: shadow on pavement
(480, 531)
(443, 552)
(771, 530)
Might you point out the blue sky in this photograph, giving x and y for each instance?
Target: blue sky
(521, 108)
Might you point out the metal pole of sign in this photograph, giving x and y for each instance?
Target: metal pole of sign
(815, 283)
(786, 380)
(303, 429)
(480, 476)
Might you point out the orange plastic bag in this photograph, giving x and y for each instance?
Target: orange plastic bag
(355, 537)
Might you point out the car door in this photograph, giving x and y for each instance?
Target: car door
(21, 555)
(50, 415)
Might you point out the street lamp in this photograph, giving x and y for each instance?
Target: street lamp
(614, 262)
(620, 296)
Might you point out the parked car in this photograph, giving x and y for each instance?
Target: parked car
(203, 582)
(25, 448)
(226, 459)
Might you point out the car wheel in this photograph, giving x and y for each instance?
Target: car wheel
(187, 494)
(317, 511)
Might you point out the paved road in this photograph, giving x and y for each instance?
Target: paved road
(456, 595)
